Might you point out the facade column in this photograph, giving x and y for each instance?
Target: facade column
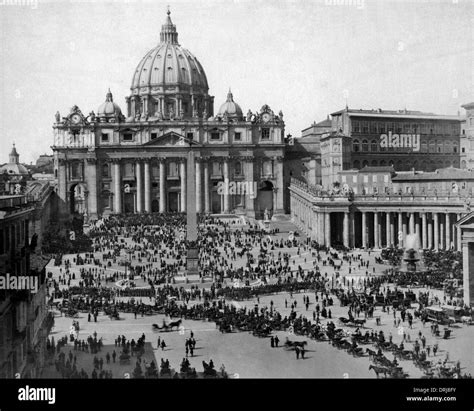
(279, 188)
(400, 238)
(392, 230)
(207, 208)
(436, 231)
(327, 229)
(447, 230)
(226, 179)
(423, 231)
(198, 187)
(387, 229)
(147, 178)
(250, 199)
(458, 235)
(138, 174)
(117, 187)
(91, 180)
(412, 223)
(417, 229)
(430, 231)
(364, 229)
(162, 185)
(182, 173)
(346, 229)
(376, 230)
(441, 234)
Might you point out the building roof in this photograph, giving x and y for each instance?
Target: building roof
(396, 114)
(449, 173)
(379, 169)
(468, 105)
(109, 108)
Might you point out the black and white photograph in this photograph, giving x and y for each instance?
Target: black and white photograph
(236, 190)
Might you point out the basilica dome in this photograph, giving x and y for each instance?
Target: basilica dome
(169, 64)
(230, 108)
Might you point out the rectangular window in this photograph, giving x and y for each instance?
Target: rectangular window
(265, 134)
(365, 127)
(373, 127)
(354, 179)
(215, 136)
(343, 179)
(374, 178)
(237, 137)
(463, 149)
(385, 179)
(105, 138)
(154, 135)
(366, 178)
(173, 169)
(190, 136)
(128, 137)
(355, 126)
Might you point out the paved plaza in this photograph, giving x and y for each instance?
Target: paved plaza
(245, 355)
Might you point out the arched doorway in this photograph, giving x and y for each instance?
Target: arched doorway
(78, 199)
(265, 197)
(173, 204)
(155, 206)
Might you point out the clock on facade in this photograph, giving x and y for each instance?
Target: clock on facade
(266, 117)
(75, 118)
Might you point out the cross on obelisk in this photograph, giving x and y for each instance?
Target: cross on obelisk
(191, 216)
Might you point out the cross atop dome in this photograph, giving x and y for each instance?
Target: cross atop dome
(108, 96)
(230, 97)
(168, 30)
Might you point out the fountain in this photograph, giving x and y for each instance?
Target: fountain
(411, 260)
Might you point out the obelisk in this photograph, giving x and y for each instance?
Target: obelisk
(191, 217)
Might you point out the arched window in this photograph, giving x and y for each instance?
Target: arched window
(356, 164)
(399, 165)
(424, 146)
(463, 164)
(439, 146)
(365, 145)
(390, 163)
(374, 145)
(447, 163)
(365, 163)
(374, 163)
(432, 146)
(415, 165)
(355, 146)
(383, 163)
(448, 146)
(455, 147)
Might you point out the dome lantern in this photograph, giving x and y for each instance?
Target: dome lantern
(168, 31)
(230, 108)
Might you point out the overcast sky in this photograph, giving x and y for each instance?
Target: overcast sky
(303, 57)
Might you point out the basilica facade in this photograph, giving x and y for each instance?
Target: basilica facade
(136, 161)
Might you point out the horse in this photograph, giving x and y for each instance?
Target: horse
(378, 370)
(359, 323)
(372, 353)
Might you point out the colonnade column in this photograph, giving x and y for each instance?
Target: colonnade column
(364, 229)
(401, 242)
(117, 186)
(392, 230)
(138, 174)
(162, 186)
(387, 229)
(430, 232)
(448, 231)
(182, 173)
(436, 231)
(346, 230)
(146, 170)
(458, 235)
(423, 231)
(327, 229)
(376, 230)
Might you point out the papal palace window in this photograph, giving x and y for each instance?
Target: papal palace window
(76, 170)
(215, 136)
(190, 136)
(154, 135)
(129, 170)
(128, 137)
(216, 169)
(265, 134)
(267, 168)
(365, 145)
(355, 126)
(355, 146)
(374, 145)
(105, 170)
(238, 168)
(105, 138)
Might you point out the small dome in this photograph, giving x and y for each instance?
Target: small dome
(109, 108)
(14, 169)
(230, 108)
